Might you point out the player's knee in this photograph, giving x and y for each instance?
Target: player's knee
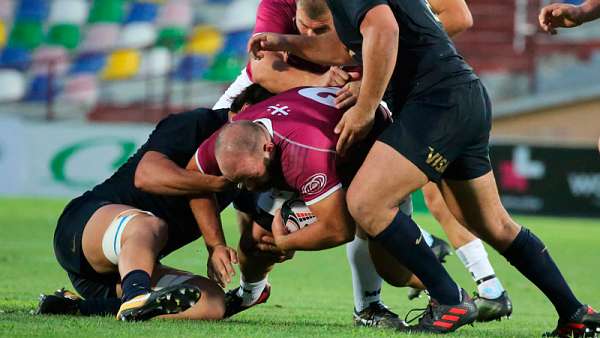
(214, 303)
(504, 232)
(149, 228)
(359, 208)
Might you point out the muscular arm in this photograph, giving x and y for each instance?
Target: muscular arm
(454, 15)
(380, 33)
(334, 226)
(591, 10)
(273, 73)
(157, 174)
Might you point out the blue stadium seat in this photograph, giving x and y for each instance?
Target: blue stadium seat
(235, 42)
(40, 87)
(15, 58)
(142, 12)
(88, 63)
(192, 67)
(34, 10)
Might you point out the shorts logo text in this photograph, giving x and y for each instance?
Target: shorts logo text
(435, 160)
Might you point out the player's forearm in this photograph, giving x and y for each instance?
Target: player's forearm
(380, 49)
(454, 15)
(157, 174)
(590, 10)
(277, 76)
(324, 49)
(206, 214)
(317, 236)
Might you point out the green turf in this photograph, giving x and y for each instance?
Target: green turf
(311, 295)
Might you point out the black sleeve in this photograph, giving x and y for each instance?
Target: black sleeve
(355, 10)
(178, 136)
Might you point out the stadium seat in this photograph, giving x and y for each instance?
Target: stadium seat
(42, 88)
(225, 68)
(15, 57)
(236, 42)
(122, 64)
(137, 35)
(7, 9)
(156, 62)
(239, 16)
(26, 34)
(54, 59)
(100, 37)
(12, 83)
(2, 34)
(176, 13)
(88, 63)
(142, 12)
(81, 88)
(204, 40)
(64, 34)
(68, 11)
(106, 11)
(171, 37)
(192, 67)
(32, 10)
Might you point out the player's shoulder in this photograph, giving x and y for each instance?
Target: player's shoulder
(277, 6)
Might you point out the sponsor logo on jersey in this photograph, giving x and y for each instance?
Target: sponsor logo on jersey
(314, 184)
(435, 160)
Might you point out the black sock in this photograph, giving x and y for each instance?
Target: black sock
(135, 283)
(530, 256)
(99, 306)
(403, 239)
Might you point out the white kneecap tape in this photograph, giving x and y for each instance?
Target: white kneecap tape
(406, 207)
(111, 242)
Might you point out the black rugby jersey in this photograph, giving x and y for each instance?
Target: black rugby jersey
(426, 55)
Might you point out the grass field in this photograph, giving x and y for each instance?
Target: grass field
(311, 294)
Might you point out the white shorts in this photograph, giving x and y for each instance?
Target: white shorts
(241, 82)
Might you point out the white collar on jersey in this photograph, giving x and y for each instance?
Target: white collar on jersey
(267, 123)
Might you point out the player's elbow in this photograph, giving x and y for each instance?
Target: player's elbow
(465, 22)
(344, 234)
(141, 179)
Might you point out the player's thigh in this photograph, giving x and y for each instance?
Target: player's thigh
(477, 202)
(104, 219)
(382, 183)
(388, 267)
(210, 306)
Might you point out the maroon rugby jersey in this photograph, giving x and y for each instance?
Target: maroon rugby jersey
(301, 122)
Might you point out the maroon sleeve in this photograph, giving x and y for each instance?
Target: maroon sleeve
(275, 16)
(205, 157)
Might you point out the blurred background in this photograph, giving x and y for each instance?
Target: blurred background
(83, 81)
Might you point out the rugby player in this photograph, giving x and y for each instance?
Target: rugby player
(110, 240)
(561, 15)
(287, 142)
(440, 133)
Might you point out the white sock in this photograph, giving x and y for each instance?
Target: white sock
(475, 259)
(250, 292)
(366, 282)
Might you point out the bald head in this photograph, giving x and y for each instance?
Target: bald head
(241, 152)
(314, 9)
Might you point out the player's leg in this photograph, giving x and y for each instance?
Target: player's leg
(492, 300)
(119, 238)
(384, 180)
(210, 305)
(477, 202)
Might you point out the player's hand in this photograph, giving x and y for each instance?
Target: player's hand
(266, 42)
(356, 123)
(220, 264)
(336, 77)
(348, 95)
(560, 15)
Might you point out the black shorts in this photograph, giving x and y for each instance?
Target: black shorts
(445, 132)
(247, 202)
(69, 253)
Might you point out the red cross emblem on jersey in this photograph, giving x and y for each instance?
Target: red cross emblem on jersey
(279, 110)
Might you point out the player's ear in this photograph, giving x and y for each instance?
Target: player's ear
(269, 147)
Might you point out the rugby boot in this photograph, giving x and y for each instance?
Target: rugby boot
(493, 309)
(169, 300)
(584, 323)
(438, 318)
(378, 315)
(233, 302)
(441, 249)
(61, 302)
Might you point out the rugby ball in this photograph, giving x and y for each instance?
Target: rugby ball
(296, 215)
